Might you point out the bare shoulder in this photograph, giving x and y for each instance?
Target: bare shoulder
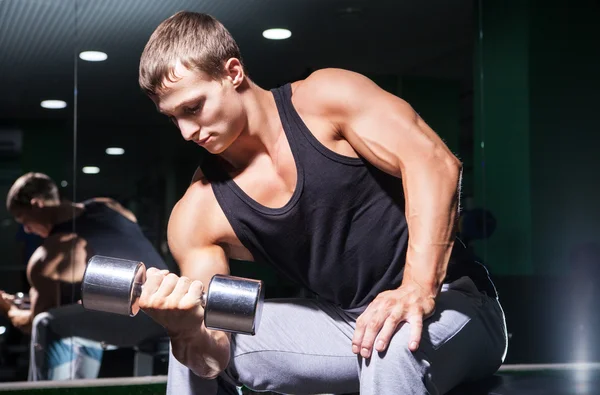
(335, 91)
(118, 207)
(55, 256)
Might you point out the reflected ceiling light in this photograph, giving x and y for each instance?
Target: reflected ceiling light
(53, 104)
(115, 151)
(277, 34)
(91, 170)
(93, 56)
(64, 183)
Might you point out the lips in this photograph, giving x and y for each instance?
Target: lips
(202, 141)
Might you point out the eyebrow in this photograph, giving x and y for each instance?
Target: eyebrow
(181, 104)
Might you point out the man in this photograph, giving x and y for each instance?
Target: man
(324, 179)
(72, 233)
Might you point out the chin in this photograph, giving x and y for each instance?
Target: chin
(214, 150)
(217, 148)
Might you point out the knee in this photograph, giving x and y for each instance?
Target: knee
(251, 373)
(396, 353)
(397, 359)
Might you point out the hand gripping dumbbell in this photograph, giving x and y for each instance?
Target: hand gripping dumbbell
(114, 285)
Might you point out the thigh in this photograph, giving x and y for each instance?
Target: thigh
(464, 340)
(301, 346)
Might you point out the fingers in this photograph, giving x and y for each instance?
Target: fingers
(154, 279)
(182, 287)
(416, 329)
(359, 332)
(371, 331)
(368, 327)
(194, 294)
(167, 285)
(8, 297)
(378, 324)
(386, 333)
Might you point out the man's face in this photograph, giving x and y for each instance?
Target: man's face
(32, 222)
(208, 112)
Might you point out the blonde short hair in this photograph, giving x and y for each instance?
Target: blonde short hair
(198, 41)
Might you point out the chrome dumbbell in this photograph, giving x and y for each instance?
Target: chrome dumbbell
(113, 285)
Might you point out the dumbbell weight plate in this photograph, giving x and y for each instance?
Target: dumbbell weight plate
(234, 304)
(108, 287)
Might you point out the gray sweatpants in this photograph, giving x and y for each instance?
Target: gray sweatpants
(303, 346)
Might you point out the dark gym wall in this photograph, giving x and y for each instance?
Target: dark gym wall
(565, 161)
(535, 99)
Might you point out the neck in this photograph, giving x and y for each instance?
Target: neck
(263, 128)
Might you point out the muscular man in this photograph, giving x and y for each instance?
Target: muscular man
(72, 233)
(342, 187)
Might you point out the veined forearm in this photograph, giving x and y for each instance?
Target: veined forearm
(432, 209)
(206, 353)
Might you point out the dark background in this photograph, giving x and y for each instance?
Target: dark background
(511, 86)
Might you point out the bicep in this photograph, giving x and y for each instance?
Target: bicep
(45, 291)
(203, 263)
(197, 257)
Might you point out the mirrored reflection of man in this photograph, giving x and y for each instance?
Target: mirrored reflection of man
(72, 233)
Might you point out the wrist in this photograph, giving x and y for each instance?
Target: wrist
(429, 285)
(205, 352)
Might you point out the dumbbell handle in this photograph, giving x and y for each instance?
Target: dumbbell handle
(138, 287)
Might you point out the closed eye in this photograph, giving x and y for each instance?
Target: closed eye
(193, 110)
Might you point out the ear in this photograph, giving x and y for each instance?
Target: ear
(234, 72)
(35, 202)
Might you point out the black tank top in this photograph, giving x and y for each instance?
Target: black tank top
(343, 234)
(107, 233)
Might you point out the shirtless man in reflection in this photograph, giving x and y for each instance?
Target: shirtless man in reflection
(55, 270)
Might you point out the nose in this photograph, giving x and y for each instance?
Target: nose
(188, 129)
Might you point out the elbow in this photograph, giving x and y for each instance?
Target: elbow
(212, 367)
(455, 167)
(449, 165)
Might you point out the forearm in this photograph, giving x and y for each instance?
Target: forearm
(205, 352)
(432, 203)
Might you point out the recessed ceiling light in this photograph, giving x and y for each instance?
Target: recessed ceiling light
(53, 104)
(64, 183)
(277, 34)
(91, 170)
(93, 56)
(115, 151)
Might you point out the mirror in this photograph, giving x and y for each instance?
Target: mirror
(37, 112)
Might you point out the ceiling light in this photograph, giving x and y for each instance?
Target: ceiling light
(91, 170)
(115, 151)
(277, 34)
(54, 104)
(64, 183)
(93, 56)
